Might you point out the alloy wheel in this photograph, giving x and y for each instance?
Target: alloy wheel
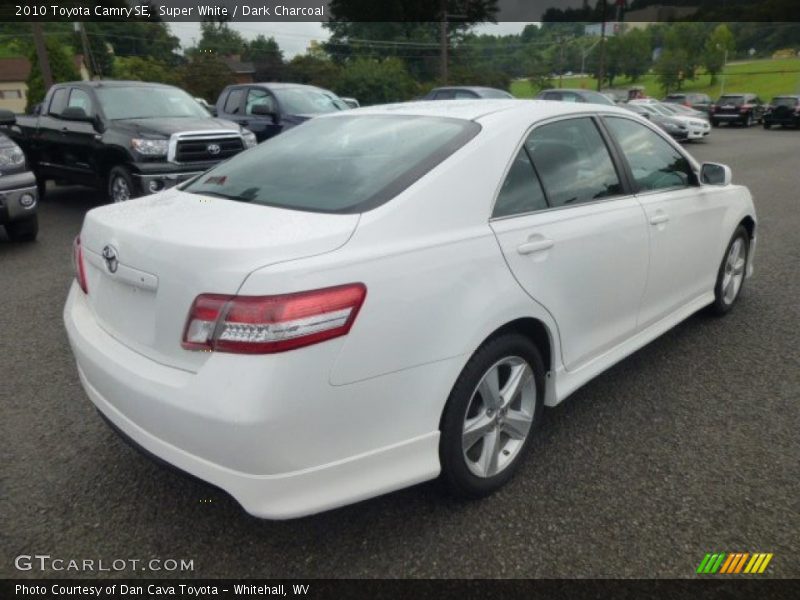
(499, 417)
(734, 271)
(120, 191)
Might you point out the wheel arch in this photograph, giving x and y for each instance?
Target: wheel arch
(750, 225)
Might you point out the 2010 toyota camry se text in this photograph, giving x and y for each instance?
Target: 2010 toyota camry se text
(382, 296)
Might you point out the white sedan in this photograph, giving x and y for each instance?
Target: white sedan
(696, 127)
(384, 295)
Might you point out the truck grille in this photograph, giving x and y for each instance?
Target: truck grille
(205, 149)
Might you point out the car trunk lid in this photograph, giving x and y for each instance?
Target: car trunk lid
(148, 259)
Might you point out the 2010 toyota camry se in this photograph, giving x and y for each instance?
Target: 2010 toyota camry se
(383, 296)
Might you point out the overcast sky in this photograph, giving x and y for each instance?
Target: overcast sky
(294, 38)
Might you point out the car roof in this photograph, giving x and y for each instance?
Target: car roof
(475, 110)
(474, 88)
(111, 83)
(280, 86)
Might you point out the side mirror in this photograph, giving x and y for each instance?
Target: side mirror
(75, 113)
(7, 117)
(715, 174)
(264, 110)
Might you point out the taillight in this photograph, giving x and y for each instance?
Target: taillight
(78, 265)
(268, 324)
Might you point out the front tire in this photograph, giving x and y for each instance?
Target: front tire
(24, 230)
(490, 415)
(121, 186)
(731, 274)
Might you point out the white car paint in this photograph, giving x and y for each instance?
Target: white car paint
(297, 432)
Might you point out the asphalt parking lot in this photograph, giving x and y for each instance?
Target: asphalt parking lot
(689, 446)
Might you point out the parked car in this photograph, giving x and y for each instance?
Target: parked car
(304, 337)
(570, 95)
(783, 110)
(674, 127)
(351, 102)
(128, 137)
(18, 195)
(696, 128)
(744, 109)
(699, 102)
(268, 109)
(465, 93)
(685, 111)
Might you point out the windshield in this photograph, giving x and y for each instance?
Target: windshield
(148, 102)
(301, 101)
(337, 165)
(785, 101)
(735, 100)
(490, 93)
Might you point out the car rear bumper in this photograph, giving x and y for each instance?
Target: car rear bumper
(16, 193)
(280, 439)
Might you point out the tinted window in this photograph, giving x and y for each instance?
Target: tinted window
(80, 99)
(655, 163)
(259, 97)
(148, 102)
(734, 100)
(785, 101)
(464, 94)
(343, 164)
(444, 95)
(58, 102)
(573, 162)
(521, 191)
(233, 103)
(308, 101)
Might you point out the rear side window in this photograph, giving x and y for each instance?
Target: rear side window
(521, 192)
(444, 95)
(233, 103)
(58, 102)
(345, 164)
(573, 162)
(654, 162)
(80, 99)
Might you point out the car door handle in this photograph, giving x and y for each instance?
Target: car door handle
(659, 219)
(535, 246)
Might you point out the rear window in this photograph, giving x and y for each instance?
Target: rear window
(675, 98)
(337, 165)
(489, 93)
(785, 101)
(735, 100)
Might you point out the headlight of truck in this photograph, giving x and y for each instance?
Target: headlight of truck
(150, 147)
(11, 156)
(249, 139)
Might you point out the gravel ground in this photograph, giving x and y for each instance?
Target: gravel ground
(689, 446)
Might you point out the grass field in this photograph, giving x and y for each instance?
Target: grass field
(767, 78)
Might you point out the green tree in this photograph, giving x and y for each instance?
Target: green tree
(267, 58)
(635, 54)
(374, 81)
(205, 76)
(718, 45)
(216, 37)
(138, 68)
(313, 70)
(62, 68)
(669, 69)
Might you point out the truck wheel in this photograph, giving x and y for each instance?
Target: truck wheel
(120, 185)
(23, 230)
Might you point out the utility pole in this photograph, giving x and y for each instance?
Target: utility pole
(443, 41)
(41, 54)
(87, 52)
(601, 72)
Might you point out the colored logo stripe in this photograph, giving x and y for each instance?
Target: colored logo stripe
(734, 563)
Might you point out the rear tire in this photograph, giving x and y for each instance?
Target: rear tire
(121, 186)
(732, 273)
(767, 125)
(483, 440)
(24, 230)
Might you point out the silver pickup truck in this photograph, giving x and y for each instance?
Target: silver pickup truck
(18, 194)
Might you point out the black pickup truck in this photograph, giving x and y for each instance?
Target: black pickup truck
(18, 198)
(127, 137)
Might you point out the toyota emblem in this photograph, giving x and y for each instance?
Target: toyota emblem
(110, 256)
(213, 149)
